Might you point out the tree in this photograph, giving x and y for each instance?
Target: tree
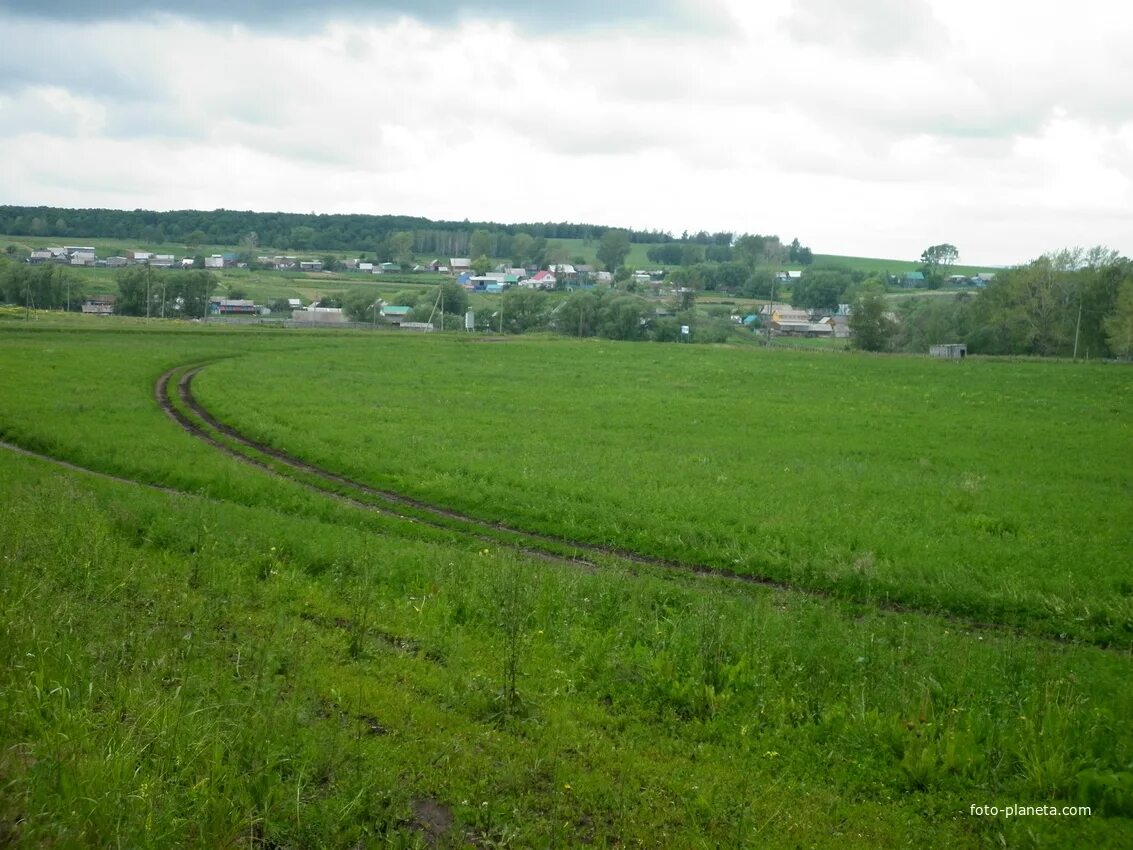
(936, 260)
(138, 292)
(481, 265)
(821, 288)
(359, 305)
(455, 298)
(749, 249)
(481, 243)
(521, 245)
(524, 310)
(668, 254)
(930, 321)
(578, 314)
(538, 252)
(759, 284)
(400, 246)
(1119, 325)
(302, 237)
(623, 318)
(871, 326)
(189, 293)
(613, 249)
(798, 253)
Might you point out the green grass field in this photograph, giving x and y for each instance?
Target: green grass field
(871, 265)
(201, 652)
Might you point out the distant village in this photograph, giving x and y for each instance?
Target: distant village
(782, 319)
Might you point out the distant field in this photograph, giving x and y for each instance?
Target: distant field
(241, 659)
(871, 264)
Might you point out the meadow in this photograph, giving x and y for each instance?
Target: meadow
(199, 652)
(963, 489)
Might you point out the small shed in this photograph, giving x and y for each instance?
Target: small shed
(395, 314)
(949, 351)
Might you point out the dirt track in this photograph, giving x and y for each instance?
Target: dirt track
(543, 546)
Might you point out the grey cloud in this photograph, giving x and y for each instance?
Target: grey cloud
(883, 27)
(286, 14)
(50, 55)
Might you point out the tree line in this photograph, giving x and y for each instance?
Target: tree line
(142, 291)
(1069, 303)
(299, 231)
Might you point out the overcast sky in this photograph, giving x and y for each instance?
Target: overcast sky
(868, 127)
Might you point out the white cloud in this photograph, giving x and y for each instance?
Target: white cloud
(875, 132)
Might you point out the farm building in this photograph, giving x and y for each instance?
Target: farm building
(782, 313)
(949, 351)
(99, 305)
(808, 329)
(320, 315)
(395, 314)
(233, 307)
(840, 322)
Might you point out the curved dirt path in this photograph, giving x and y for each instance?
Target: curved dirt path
(539, 545)
(429, 513)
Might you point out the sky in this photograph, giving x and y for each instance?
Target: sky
(861, 127)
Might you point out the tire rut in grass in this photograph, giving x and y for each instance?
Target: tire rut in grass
(535, 544)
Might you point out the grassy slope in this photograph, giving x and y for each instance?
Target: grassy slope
(873, 264)
(963, 488)
(183, 671)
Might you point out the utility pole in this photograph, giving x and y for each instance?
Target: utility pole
(1077, 327)
(770, 309)
(147, 289)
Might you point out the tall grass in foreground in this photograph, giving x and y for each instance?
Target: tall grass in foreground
(183, 672)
